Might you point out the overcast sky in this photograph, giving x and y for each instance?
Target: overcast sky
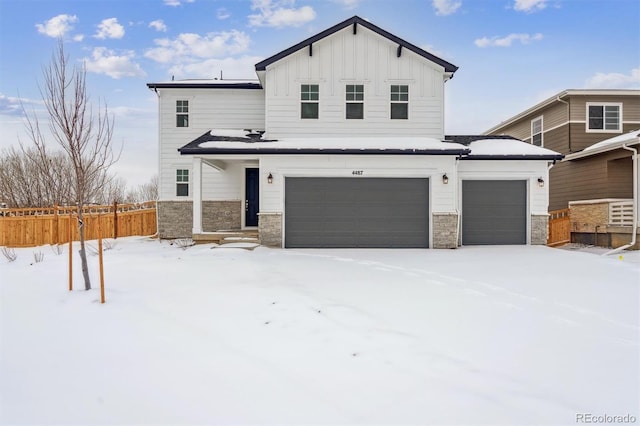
(511, 53)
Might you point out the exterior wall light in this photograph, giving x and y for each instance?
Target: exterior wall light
(270, 178)
(445, 179)
(540, 182)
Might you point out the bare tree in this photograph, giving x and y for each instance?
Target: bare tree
(84, 135)
(30, 179)
(145, 192)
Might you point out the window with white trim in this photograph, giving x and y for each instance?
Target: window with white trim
(399, 102)
(182, 113)
(355, 101)
(309, 98)
(536, 131)
(604, 117)
(182, 182)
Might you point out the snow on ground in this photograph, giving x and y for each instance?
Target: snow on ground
(478, 335)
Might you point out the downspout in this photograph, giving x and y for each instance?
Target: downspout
(155, 89)
(568, 119)
(634, 229)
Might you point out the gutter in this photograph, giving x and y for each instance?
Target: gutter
(568, 119)
(635, 202)
(319, 151)
(550, 157)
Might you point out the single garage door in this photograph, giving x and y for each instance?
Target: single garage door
(356, 212)
(494, 212)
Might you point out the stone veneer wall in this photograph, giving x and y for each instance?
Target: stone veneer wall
(175, 218)
(445, 230)
(539, 229)
(221, 215)
(270, 229)
(589, 217)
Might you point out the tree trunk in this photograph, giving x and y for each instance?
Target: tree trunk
(83, 252)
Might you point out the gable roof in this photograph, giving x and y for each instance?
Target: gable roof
(356, 20)
(557, 98)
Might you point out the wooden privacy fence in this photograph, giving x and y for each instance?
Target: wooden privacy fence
(559, 227)
(50, 225)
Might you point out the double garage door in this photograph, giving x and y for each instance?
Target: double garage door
(356, 212)
(394, 212)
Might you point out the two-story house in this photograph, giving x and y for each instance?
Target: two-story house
(340, 143)
(596, 177)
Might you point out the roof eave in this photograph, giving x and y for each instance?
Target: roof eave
(319, 151)
(212, 85)
(549, 157)
(448, 67)
(607, 148)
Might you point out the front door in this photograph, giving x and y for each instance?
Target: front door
(252, 200)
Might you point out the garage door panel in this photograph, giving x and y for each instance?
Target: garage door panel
(494, 212)
(356, 212)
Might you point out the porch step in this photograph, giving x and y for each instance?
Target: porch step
(225, 237)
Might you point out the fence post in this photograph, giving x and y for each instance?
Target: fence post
(55, 224)
(100, 261)
(115, 220)
(70, 255)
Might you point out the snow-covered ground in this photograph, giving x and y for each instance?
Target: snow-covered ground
(478, 335)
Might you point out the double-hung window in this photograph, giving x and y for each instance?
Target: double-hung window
(182, 113)
(355, 101)
(536, 131)
(604, 117)
(309, 98)
(182, 182)
(399, 102)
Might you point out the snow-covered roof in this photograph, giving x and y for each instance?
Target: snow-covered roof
(616, 142)
(207, 84)
(507, 147)
(238, 141)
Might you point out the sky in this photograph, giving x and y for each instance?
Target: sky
(511, 53)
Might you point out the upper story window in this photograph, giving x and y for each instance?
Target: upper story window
(182, 113)
(355, 101)
(604, 117)
(182, 182)
(309, 98)
(536, 131)
(399, 102)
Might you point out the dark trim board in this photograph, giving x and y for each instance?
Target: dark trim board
(356, 20)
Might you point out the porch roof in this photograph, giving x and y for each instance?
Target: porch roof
(244, 142)
(233, 141)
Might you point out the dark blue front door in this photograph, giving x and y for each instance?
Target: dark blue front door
(252, 200)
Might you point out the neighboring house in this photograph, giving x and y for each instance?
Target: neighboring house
(568, 123)
(608, 221)
(340, 143)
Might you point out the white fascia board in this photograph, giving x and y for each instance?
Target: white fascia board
(605, 148)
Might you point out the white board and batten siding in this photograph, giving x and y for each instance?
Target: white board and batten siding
(344, 58)
(208, 109)
(442, 196)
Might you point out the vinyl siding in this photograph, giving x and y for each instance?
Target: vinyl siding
(580, 139)
(630, 106)
(442, 196)
(603, 176)
(208, 109)
(552, 116)
(364, 58)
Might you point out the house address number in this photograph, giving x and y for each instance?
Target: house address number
(357, 172)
